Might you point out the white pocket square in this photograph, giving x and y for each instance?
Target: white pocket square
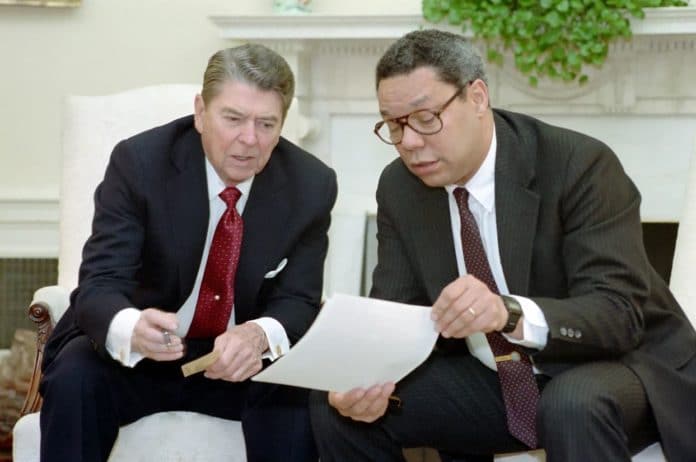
(273, 273)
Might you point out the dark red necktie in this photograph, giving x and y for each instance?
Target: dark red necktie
(519, 388)
(216, 297)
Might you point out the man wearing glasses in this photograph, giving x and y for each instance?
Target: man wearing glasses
(526, 240)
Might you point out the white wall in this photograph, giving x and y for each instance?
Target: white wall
(101, 47)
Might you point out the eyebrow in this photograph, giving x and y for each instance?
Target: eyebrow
(414, 104)
(268, 118)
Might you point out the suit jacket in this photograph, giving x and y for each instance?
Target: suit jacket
(570, 238)
(149, 229)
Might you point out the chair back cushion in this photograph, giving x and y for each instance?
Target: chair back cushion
(92, 127)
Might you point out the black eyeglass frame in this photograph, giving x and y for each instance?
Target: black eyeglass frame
(403, 120)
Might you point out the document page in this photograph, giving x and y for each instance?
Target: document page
(356, 342)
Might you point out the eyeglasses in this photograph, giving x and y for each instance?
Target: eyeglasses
(423, 121)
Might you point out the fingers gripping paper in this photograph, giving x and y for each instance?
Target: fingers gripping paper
(356, 342)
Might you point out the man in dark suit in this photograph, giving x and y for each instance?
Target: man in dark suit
(115, 355)
(556, 221)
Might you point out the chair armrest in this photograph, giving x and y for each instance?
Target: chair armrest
(55, 299)
(46, 308)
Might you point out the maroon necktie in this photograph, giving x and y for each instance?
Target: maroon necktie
(216, 297)
(515, 373)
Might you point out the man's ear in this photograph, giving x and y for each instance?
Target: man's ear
(478, 92)
(198, 110)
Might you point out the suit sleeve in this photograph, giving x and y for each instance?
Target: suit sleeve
(112, 255)
(606, 269)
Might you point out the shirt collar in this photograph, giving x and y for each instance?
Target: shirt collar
(482, 185)
(216, 185)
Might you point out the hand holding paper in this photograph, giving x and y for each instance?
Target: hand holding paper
(356, 342)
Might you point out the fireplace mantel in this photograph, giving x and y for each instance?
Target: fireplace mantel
(310, 27)
(650, 74)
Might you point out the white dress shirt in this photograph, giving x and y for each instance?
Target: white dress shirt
(118, 338)
(481, 189)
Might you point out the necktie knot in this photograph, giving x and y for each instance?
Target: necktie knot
(461, 195)
(230, 195)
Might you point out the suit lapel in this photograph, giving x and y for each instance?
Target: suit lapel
(265, 214)
(517, 207)
(431, 235)
(188, 206)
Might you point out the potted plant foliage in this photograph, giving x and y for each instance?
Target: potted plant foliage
(547, 38)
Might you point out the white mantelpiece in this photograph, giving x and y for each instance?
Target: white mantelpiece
(619, 87)
(658, 21)
(642, 103)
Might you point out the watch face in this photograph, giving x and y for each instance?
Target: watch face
(514, 313)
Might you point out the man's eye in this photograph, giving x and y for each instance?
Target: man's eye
(424, 117)
(393, 126)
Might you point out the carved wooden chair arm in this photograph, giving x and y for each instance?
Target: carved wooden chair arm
(40, 314)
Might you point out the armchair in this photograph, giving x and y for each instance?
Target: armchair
(93, 125)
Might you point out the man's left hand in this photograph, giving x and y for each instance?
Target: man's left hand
(240, 350)
(363, 405)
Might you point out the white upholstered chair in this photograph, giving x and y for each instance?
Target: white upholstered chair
(93, 125)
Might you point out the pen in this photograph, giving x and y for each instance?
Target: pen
(395, 402)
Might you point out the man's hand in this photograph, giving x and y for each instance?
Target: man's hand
(240, 350)
(149, 337)
(363, 405)
(467, 306)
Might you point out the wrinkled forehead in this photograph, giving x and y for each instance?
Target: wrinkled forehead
(401, 94)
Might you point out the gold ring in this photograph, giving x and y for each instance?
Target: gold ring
(473, 312)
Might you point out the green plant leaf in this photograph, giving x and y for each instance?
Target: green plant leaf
(548, 38)
(563, 6)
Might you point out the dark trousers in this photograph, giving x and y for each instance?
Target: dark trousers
(453, 403)
(87, 398)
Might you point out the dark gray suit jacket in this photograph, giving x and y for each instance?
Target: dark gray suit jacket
(150, 224)
(570, 238)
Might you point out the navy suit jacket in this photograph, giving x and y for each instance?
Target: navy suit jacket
(150, 223)
(569, 236)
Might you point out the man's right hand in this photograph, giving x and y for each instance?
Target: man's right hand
(361, 404)
(149, 337)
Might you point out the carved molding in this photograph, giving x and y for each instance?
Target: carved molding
(658, 21)
(334, 57)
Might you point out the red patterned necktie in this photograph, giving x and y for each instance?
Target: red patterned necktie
(216, 297)
(517, 383)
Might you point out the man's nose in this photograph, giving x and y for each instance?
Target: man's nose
(411, 138)
(248, 133)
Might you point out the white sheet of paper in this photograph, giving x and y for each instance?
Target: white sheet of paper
(356, 342)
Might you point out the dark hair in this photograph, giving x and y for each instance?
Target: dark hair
(253, 64)
(452, 56)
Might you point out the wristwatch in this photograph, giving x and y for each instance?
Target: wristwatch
(514, 313)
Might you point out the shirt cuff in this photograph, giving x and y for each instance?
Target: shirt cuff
(118, 338)
(278, 342)
(534, 325)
